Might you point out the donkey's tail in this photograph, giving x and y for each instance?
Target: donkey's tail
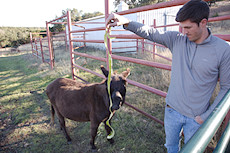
(52, 114)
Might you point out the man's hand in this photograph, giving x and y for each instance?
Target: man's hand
(116, 20)
(199, 120)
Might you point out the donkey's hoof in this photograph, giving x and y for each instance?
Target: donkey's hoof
(69, 142)
(111, 141)
(94, 149)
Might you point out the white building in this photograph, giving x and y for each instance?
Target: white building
(164, 16)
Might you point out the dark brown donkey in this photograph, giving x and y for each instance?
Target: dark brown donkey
(86, 102)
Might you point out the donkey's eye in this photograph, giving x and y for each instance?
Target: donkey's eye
(124, 82)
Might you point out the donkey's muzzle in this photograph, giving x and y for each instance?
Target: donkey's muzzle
(117, 100)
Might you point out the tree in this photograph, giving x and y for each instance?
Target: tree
(16, 36)
(75, 14)
(90, 15)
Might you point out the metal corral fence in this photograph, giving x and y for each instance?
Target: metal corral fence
(38, 48)
(138, 39)
(128, 59)
(43, 47)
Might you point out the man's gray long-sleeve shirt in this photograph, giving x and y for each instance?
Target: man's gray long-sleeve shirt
(195, 69)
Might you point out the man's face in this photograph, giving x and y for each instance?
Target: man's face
(192, 30)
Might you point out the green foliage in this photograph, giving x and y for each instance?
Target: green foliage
(75, 14)
(90, 15)
(16, 36)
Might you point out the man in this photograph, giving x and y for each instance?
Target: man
(198, 60)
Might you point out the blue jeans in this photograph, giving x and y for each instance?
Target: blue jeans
(174, 122)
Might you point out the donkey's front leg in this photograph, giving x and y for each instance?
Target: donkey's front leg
(108, 130)
(94, 126)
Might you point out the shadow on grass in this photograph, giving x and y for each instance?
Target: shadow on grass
(22, 99)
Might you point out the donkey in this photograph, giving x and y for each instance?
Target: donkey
(86, 102)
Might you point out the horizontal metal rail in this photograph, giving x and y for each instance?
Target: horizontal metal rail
(169, 25)
(153, 43)
(224, 141)
(90, 41)
(124, 47)
(144, 113)
(147, 88)
(224, 37)
(219, 18)
(78, 37)
(78, 47)
(118, 41)
(157, 54)
(88, 30)
(46, 54)
(153, 7)
(52, 21)
(90, 56)
(83, 22)
(126, 36)
(142, 62)
(37, 55)
(88, 70)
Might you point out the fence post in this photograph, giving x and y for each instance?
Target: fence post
(42, 50)
(52, 45)
(35, 41)
(31, 41)
(69, 24)
(109, 44)
(142, 42)
(154, 44)
(49, 45)
(66, 47)
(84, 38)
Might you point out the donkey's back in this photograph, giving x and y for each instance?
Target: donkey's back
(71, 99)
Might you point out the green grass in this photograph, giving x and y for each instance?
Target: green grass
(25, 109)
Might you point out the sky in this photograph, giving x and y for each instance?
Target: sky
(29, 13)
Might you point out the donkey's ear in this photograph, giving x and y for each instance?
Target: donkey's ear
(104, 71)
(126, 73)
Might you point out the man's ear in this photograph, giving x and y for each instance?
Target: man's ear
(203, 23)
(104, 71)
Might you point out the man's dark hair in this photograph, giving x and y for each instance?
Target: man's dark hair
(194, 10)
